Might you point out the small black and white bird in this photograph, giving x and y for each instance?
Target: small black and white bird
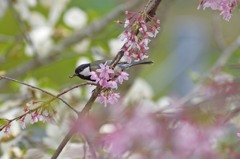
(83, 71)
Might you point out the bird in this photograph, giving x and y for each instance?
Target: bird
(83, 70)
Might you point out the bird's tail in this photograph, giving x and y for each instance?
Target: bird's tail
(140, 63)
(125, 66)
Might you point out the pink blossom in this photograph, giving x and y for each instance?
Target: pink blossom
(143, 28)
(104, 71)
(34, 118)
(126, 23)
(104, 76)
(113, 97)
(143, 56)
(124, 36)
(132, 42)
(122, 76)
(103, 82)
(128, 57)
(22, 122)
(224, 6)
(25, 109)
(6, 129)
(108, 97)
(42, 118)
(112, 84)
(144, 43)
(102, 99)
(94, 76)
(157, 21)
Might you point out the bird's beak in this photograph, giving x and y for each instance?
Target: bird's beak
(73, 75)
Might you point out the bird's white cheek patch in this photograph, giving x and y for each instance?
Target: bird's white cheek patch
(86, 72)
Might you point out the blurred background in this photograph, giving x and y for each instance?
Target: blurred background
(43, 41)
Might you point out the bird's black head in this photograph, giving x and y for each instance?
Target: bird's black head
(83, 71)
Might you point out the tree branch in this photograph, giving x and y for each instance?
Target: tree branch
(151, 12)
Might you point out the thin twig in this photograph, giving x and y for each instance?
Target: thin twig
(69, 89)
(39, 89)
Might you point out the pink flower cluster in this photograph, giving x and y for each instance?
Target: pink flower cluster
(108, 97)
(225, 6)
(137, 35)
(108, 78)
(184, 140)
(40, 114)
